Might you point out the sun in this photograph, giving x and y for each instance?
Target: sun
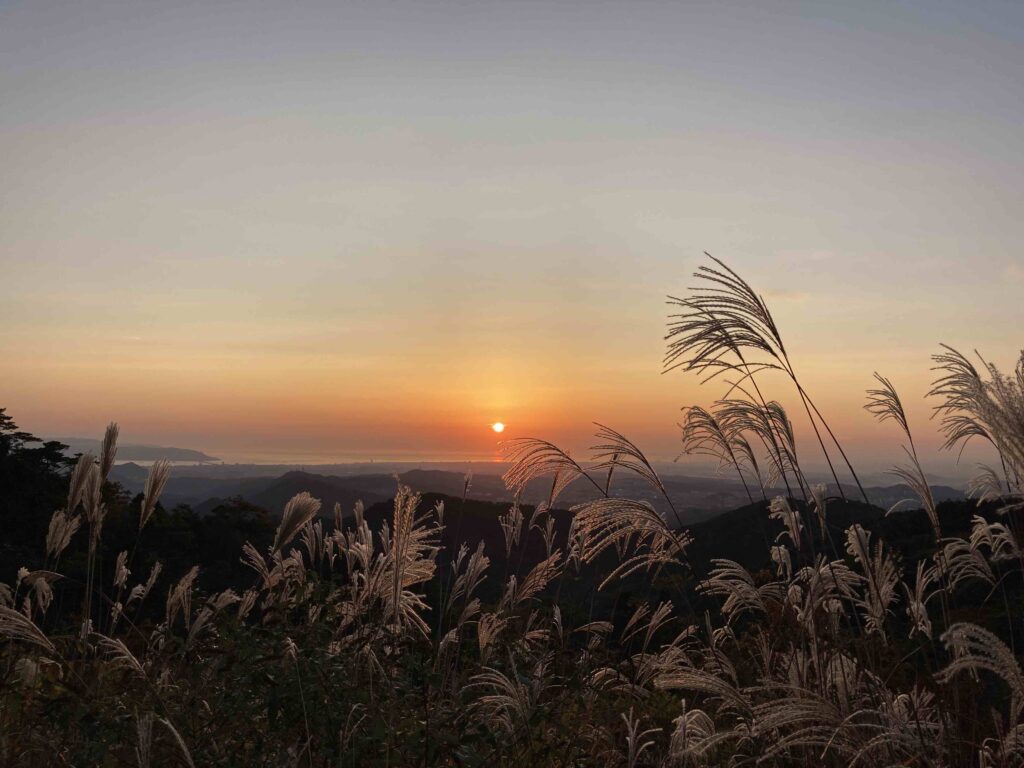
(498, 427)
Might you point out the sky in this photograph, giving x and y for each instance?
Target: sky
(359, 229)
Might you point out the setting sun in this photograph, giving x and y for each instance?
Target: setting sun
(498, 426)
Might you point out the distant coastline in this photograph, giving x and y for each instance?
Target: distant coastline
(146, 453)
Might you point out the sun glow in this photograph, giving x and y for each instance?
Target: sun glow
(498, 427)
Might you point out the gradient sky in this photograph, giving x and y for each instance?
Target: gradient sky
(355, 229)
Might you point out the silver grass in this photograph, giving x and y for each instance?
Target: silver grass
(960, 562)
(576, 544)
(641, 612)
(459, 559)
(617, 450)
(617, 682)
(446, 647)
(179, 598)
(961, 387)
(157, 478)
(1006, 749)
(884, 404)
(214, 605)
(382, 580)
(816, 588)
(118, 654)
(350, 728)
(121, 572)
(974, 406)
(508, 702)
(532, 638)
(466, 581)
(917, 599)
(790, 518)
(38, 583)
(986, 486)
(141, 591)
(605, 523)
(108, 450)
(976, 649)
(637, 741)
(747, 458)
(783, 562)
(691, 737)
(1002, 409)
(725, 317)
(724, 314)
(511, 526)
(771, 426)
(312, 540)
(900, 731)
(783, 427)
(92, 501)
(247, 603)
(732, 582)
(95, 512)
(720, 690)
(703, 434)
(999, 540)
(144, 739)
(469, 611)
(488, 628)
(661, 617)
(254, 559)
(299, 510)
(59, 532)
(79, 476)
(549, 535)
(17, 627)
(539, 578)
(408, 560)
(913, 475)
(798, 720)
(532, 458)
(599, 628)
(880, 572)
(185, 754)
(404, 518)
(820, 502)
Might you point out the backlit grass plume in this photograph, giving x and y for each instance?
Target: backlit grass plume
(725, 326)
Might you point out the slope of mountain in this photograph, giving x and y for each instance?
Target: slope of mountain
(694, 499)
(186, 489)
(329, 490)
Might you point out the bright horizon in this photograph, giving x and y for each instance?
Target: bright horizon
(378, 229)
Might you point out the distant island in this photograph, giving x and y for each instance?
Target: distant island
(129, 452)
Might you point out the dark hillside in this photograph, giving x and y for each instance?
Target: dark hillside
(741, 534)
(329, 490)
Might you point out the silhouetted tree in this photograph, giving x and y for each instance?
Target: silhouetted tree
(32, 486)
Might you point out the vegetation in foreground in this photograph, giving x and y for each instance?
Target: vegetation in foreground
(594, 639)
